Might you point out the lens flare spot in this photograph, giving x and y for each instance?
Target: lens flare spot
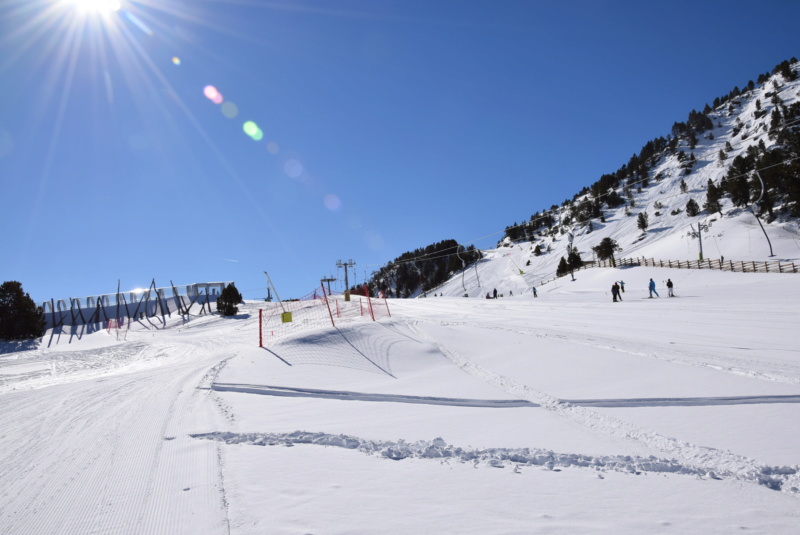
(332, 202)
(212, 94)
(272, 147)
(293, 168)
(176, 60)
(230, 110)
(251, 129)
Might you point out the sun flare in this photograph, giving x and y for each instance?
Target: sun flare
(95, 6)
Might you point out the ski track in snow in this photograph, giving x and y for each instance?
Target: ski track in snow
(776, 478)
(343, 395)
(695, 458)
(364, 396)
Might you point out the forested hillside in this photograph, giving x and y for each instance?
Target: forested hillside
(741, 152)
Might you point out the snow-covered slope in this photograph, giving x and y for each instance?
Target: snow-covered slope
(561, 413)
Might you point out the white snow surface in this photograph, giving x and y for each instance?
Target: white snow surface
(565, 413)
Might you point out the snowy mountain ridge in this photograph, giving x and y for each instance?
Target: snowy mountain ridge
(739, 125)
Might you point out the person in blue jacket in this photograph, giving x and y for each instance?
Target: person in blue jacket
(653, 289)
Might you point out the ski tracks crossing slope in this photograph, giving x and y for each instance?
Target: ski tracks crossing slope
(715, 463)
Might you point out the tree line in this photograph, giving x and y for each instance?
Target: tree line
(422, 269)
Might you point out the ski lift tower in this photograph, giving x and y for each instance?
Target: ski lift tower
(698, 234)
(345, 265)
(329, 280)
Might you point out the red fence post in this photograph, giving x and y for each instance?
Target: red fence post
(369, 302)
(260, 327)
(327, 305)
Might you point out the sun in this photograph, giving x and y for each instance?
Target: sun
(95, 6)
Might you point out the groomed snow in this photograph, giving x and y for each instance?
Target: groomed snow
(565, 413)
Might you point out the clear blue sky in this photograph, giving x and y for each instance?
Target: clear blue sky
(387, 125)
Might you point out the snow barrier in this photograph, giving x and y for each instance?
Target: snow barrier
(134, 305)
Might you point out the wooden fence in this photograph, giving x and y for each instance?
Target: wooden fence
(742, 266)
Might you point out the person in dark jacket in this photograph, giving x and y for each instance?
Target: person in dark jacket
(615, 292)
(669, 288)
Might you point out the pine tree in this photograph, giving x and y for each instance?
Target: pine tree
(228, 299)
(20, 318)
(684, 187)
(692, 208)
(563, 267)
(574, 259)
(642, 221)
(739, 190)
(713, 198)
(605, 250)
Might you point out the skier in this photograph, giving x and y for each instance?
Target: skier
(615, 292)
(653, 289)
(495, 293)
(622, 286)
(534, 292)
(669, 288)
